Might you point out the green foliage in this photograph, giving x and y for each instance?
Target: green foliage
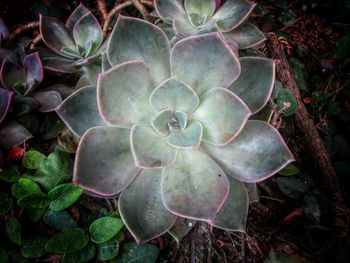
(11, 174)
(105, 228)
(68, 241)
(34, 200)
(289, 170)
(6, 203)
(3, 255)
(33, 247)
(33, 159)
(131, 252)
(13, 230)
(60, 220)
(23, 187)
(294, 187)
(83, 255)
(108, 250)
(63, 196)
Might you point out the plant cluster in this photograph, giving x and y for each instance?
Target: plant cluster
(168, 116)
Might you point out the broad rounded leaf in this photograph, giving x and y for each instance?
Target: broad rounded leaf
(60, 220)
(13, 230)
(204, 62)
(136, 39)
(232, 13)
(12, 75)
(149, 149)
(48, 100)
(34, 200)
(76, 15)
(23, 187)
(55, 35)
(88, 34)
(104, 164)
(34, 71)
(160, 122)
(195, 186)
(181, 227)
(68, 241)
(189, 138)
(81, 105)
(202, 8)
(254, 155)
(6, 203)
(13, 134)
(33, 247)
(145, 217)
(222, 115)
(59, 64)
(33, 159)
(255, 83)
(132, 252)
(246, 36)
(123, 93)
(5, 101)
(234, 212)
(85, 254)
(63, 196)
(104, 228)
(175, 95)
(169, 10)
(108, 250)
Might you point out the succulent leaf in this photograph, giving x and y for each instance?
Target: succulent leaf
(206, 56)
(12, 76)
(160, 122)
(88, 34)
(222, 114)
(56, 36)
(123, 94)
(149, 149)
(34, 71)
(174, 94)
(255, 83)
(81, 105)
(204, 9)
(183, 27)
(169, 10)
(189, 138)
(75, 16)
(92, 170)
(234, 212)
(12, 134)
(135, 39)
(5, 101)
(181, 227)
(232, 13)
(246, 36)
(195, 187)
(48, 100)
(256, 154)
(146, 205)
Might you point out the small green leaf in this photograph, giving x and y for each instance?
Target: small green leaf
(6, 203)
(61, 220)
(11, 174)
(33, 159)
(23, 187)
(68, 241)
(33, 247)
(287, 99)
(289, 170)
(105, 228)
(34, 200)
(13, 230)
(3, 255)
(108, 250)
(35, 214)
(293, 187)
(131, 252)
(64, 195)
(83, 255)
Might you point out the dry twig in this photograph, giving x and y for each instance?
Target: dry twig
(142, 9)
(21, 28)
(102, 7)
(112, 13)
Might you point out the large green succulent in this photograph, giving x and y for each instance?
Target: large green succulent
(169, 129)
(195, 17)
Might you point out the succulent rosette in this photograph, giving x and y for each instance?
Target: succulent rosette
(74, 46)
(195, 17)
(169, 129)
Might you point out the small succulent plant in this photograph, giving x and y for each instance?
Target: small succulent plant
(74, 46)
(195, 17)
(169, 129)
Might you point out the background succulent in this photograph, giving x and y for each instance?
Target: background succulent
(76, 45)
(194, 17)
(174, 135)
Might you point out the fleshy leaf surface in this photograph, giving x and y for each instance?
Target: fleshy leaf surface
(232, 13)
(123, 94)
(189, 138)
(204, 62)
(76, 15)
(145, 217)
(104, 164)
(135, 39)
(168, 10)
(34, 71)
(181, 227)
(79, 111)
(222, 115)
(246, 36)
(174, 94)
(12, 75)
(5, 101)
(149, 149)
(195, 187)
(55, 35)
(160, 122)
(234, 212)
(184, 27)
(254, 155)
(204, 9)
(255, 83)
(13, 134)
(88, 34)
(48, 100)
